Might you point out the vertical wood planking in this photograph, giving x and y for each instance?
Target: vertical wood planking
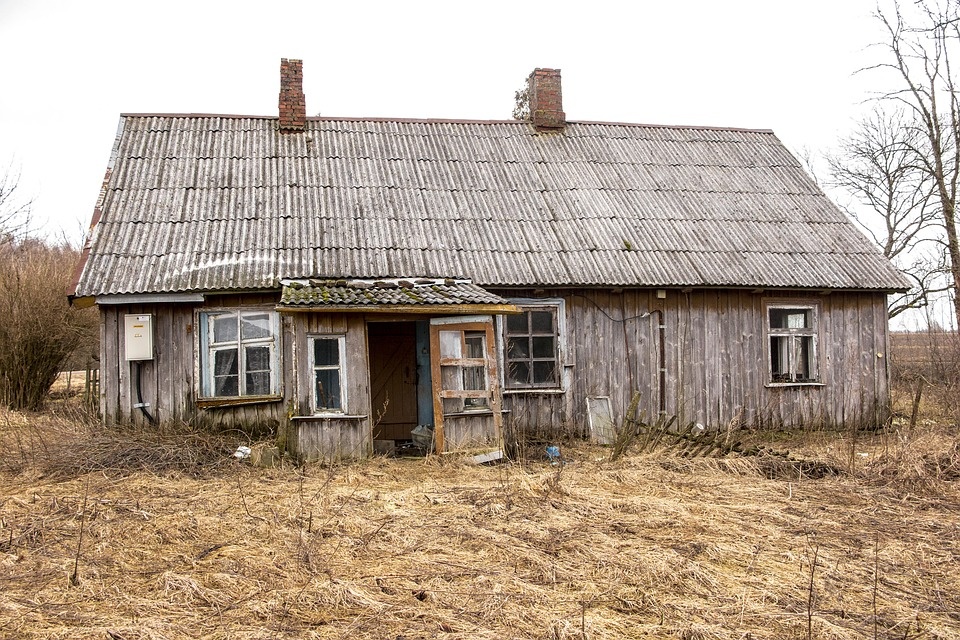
(714, 354)
(358, 376)
(109, 368)
(123, 371)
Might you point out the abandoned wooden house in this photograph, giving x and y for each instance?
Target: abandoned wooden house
(350, 282)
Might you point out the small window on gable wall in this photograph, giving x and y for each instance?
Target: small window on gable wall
(792, 332)
(531, 345)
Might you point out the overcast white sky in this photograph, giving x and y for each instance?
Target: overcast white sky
(70, 68)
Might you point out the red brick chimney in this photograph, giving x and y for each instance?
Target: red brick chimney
(293, 105)
(546, 100)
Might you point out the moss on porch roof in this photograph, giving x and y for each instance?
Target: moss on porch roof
(387, 292)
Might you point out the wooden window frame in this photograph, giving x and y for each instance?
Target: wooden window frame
(557, 307)
(208, 348)
(341, 369)
(809, 334)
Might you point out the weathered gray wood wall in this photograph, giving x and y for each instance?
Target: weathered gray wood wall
(715, 358)
(168, 382)
(329, 439)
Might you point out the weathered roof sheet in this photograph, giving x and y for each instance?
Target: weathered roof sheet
(213, 203)
(373, 293)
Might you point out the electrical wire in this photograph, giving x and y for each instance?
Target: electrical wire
(140, 403)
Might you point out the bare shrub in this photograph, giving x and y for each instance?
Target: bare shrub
(39, 330)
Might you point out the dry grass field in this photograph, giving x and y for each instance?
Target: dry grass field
(125, 535)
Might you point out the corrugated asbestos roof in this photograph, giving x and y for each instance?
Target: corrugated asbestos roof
(213, 203)
(372, 293)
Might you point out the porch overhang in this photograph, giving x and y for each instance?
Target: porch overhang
(427, 296)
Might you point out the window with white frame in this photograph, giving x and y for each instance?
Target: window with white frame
(239, 354)
(531, 347)
(792, 333)
(327, 364)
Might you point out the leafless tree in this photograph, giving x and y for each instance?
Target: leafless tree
(14, 208)
(921, 44)
(894, 201)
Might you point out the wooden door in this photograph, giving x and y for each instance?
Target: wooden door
(393, 379)
(466, 388)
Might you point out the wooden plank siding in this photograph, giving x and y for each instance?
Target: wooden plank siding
(169, 381)
(716, 360)
(715, 355)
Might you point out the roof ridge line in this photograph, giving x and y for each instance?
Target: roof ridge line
(447, 121)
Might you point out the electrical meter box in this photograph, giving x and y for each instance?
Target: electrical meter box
(138, 336)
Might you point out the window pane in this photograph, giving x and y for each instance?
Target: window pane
(226, 385)
(225, 362)
(450, 344)
(803, 353)
(326, 352)
(225, 328)
(518, 347)
(474, 378)
(255, 325)
(450, 378)
(328, 389)
(475, 403)
(474, 343)
(258, 359)
(258, 383)
(543, 347)
(226, 381)
(790, 318)
(541, 322)
(518, 373)
(779, 358)
(517, 323)
(543, 372)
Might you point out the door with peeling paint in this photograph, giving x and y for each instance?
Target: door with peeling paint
(466, 388)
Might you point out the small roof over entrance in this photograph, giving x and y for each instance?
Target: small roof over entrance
(393, 295)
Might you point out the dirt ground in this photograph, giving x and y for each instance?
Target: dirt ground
(108, 534)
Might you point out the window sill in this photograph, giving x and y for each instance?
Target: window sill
(329, 416)
(546, 391)
(781, 385)
(209, 403)
(468, 414)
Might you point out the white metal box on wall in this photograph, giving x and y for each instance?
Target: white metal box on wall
(138, 336)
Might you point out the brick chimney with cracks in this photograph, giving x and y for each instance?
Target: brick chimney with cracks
(546, 100)
(293, 105)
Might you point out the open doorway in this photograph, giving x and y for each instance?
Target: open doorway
(400, 387)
